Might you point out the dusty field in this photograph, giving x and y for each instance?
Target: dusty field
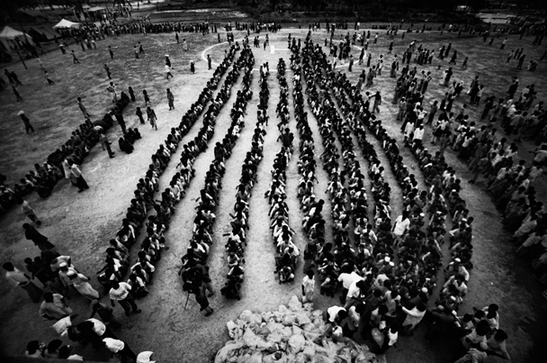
(80, 225)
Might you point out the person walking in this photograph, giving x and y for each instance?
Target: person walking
(82, 107)
(146, 98)
(192, 67)
(209, 61)
(170, 100)
(184, 45)
(16, 93)
(15, 79)
(131, 93)
(111, 53)
(17, 278)
(168, 72)
(26, 122)
(107, 69)
(350, 63)
(201, 299)
(37, 238)
(152, 118)
(377, 102)
(74, 58)
(139, 115)
(121, 292)
(76, 177)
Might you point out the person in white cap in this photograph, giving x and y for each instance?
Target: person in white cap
(145, 357)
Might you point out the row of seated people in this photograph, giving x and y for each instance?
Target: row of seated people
(286, 250)
(194, 261)
(143, 201)
(237, 238)
(44, 178)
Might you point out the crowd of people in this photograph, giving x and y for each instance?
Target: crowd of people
(237, 238)
(195, 270)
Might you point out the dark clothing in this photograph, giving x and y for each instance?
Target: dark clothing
(39, 239)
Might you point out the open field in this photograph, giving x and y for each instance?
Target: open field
(80, 225)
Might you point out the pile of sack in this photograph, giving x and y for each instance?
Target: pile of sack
(293, 333)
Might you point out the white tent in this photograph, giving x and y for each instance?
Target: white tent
(66, 24)
(12, 34)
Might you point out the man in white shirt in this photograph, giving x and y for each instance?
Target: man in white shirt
(347, 279)
(121, 292)
(400, 227)
(117, 346)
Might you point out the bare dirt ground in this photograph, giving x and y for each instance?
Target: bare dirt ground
(80, 225)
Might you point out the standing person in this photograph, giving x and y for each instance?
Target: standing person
(167, 60)
(121, 121)
(105, 143)
(308, 287)
(209, 61)
(81, 284)
(141, 49)
(111, 53)
(168, 72)
(192, 67)
(121, 292)
(48, 80)
(146, 98)
(413, 317)
(107, 69)
(29, 212)
(170, 100)
(37, 238)
(17, 278)
(503, 43)
(82, 107)
(120, 348)
(15, 79)
(105, 313)
(54, 307)
(201, 298)
(26, 122)
(350, 63)
(177, 37)
(131, 93)
(112, 90)
(74, 58)
(377, 102)
(76, 177)
(400, 227)
(184, 45)
(16, 93)
(152, 118)
(139, 115)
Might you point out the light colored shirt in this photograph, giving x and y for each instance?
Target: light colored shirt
(98, 326)
(333, 312)
(114, 345)
(121, 292)
(16, 277)
(401, 225)
(348, 279)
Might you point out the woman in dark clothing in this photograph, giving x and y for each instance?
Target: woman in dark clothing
(39, 239)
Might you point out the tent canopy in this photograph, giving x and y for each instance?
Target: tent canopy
(95, 9)
(66, 24)
(12, 34)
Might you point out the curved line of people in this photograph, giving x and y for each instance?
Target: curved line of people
(117, 255)
(282, 233)
(44, 178)
(479, 332)
(194, 271)
(237, 238)
(313, 221)
(405, 245)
